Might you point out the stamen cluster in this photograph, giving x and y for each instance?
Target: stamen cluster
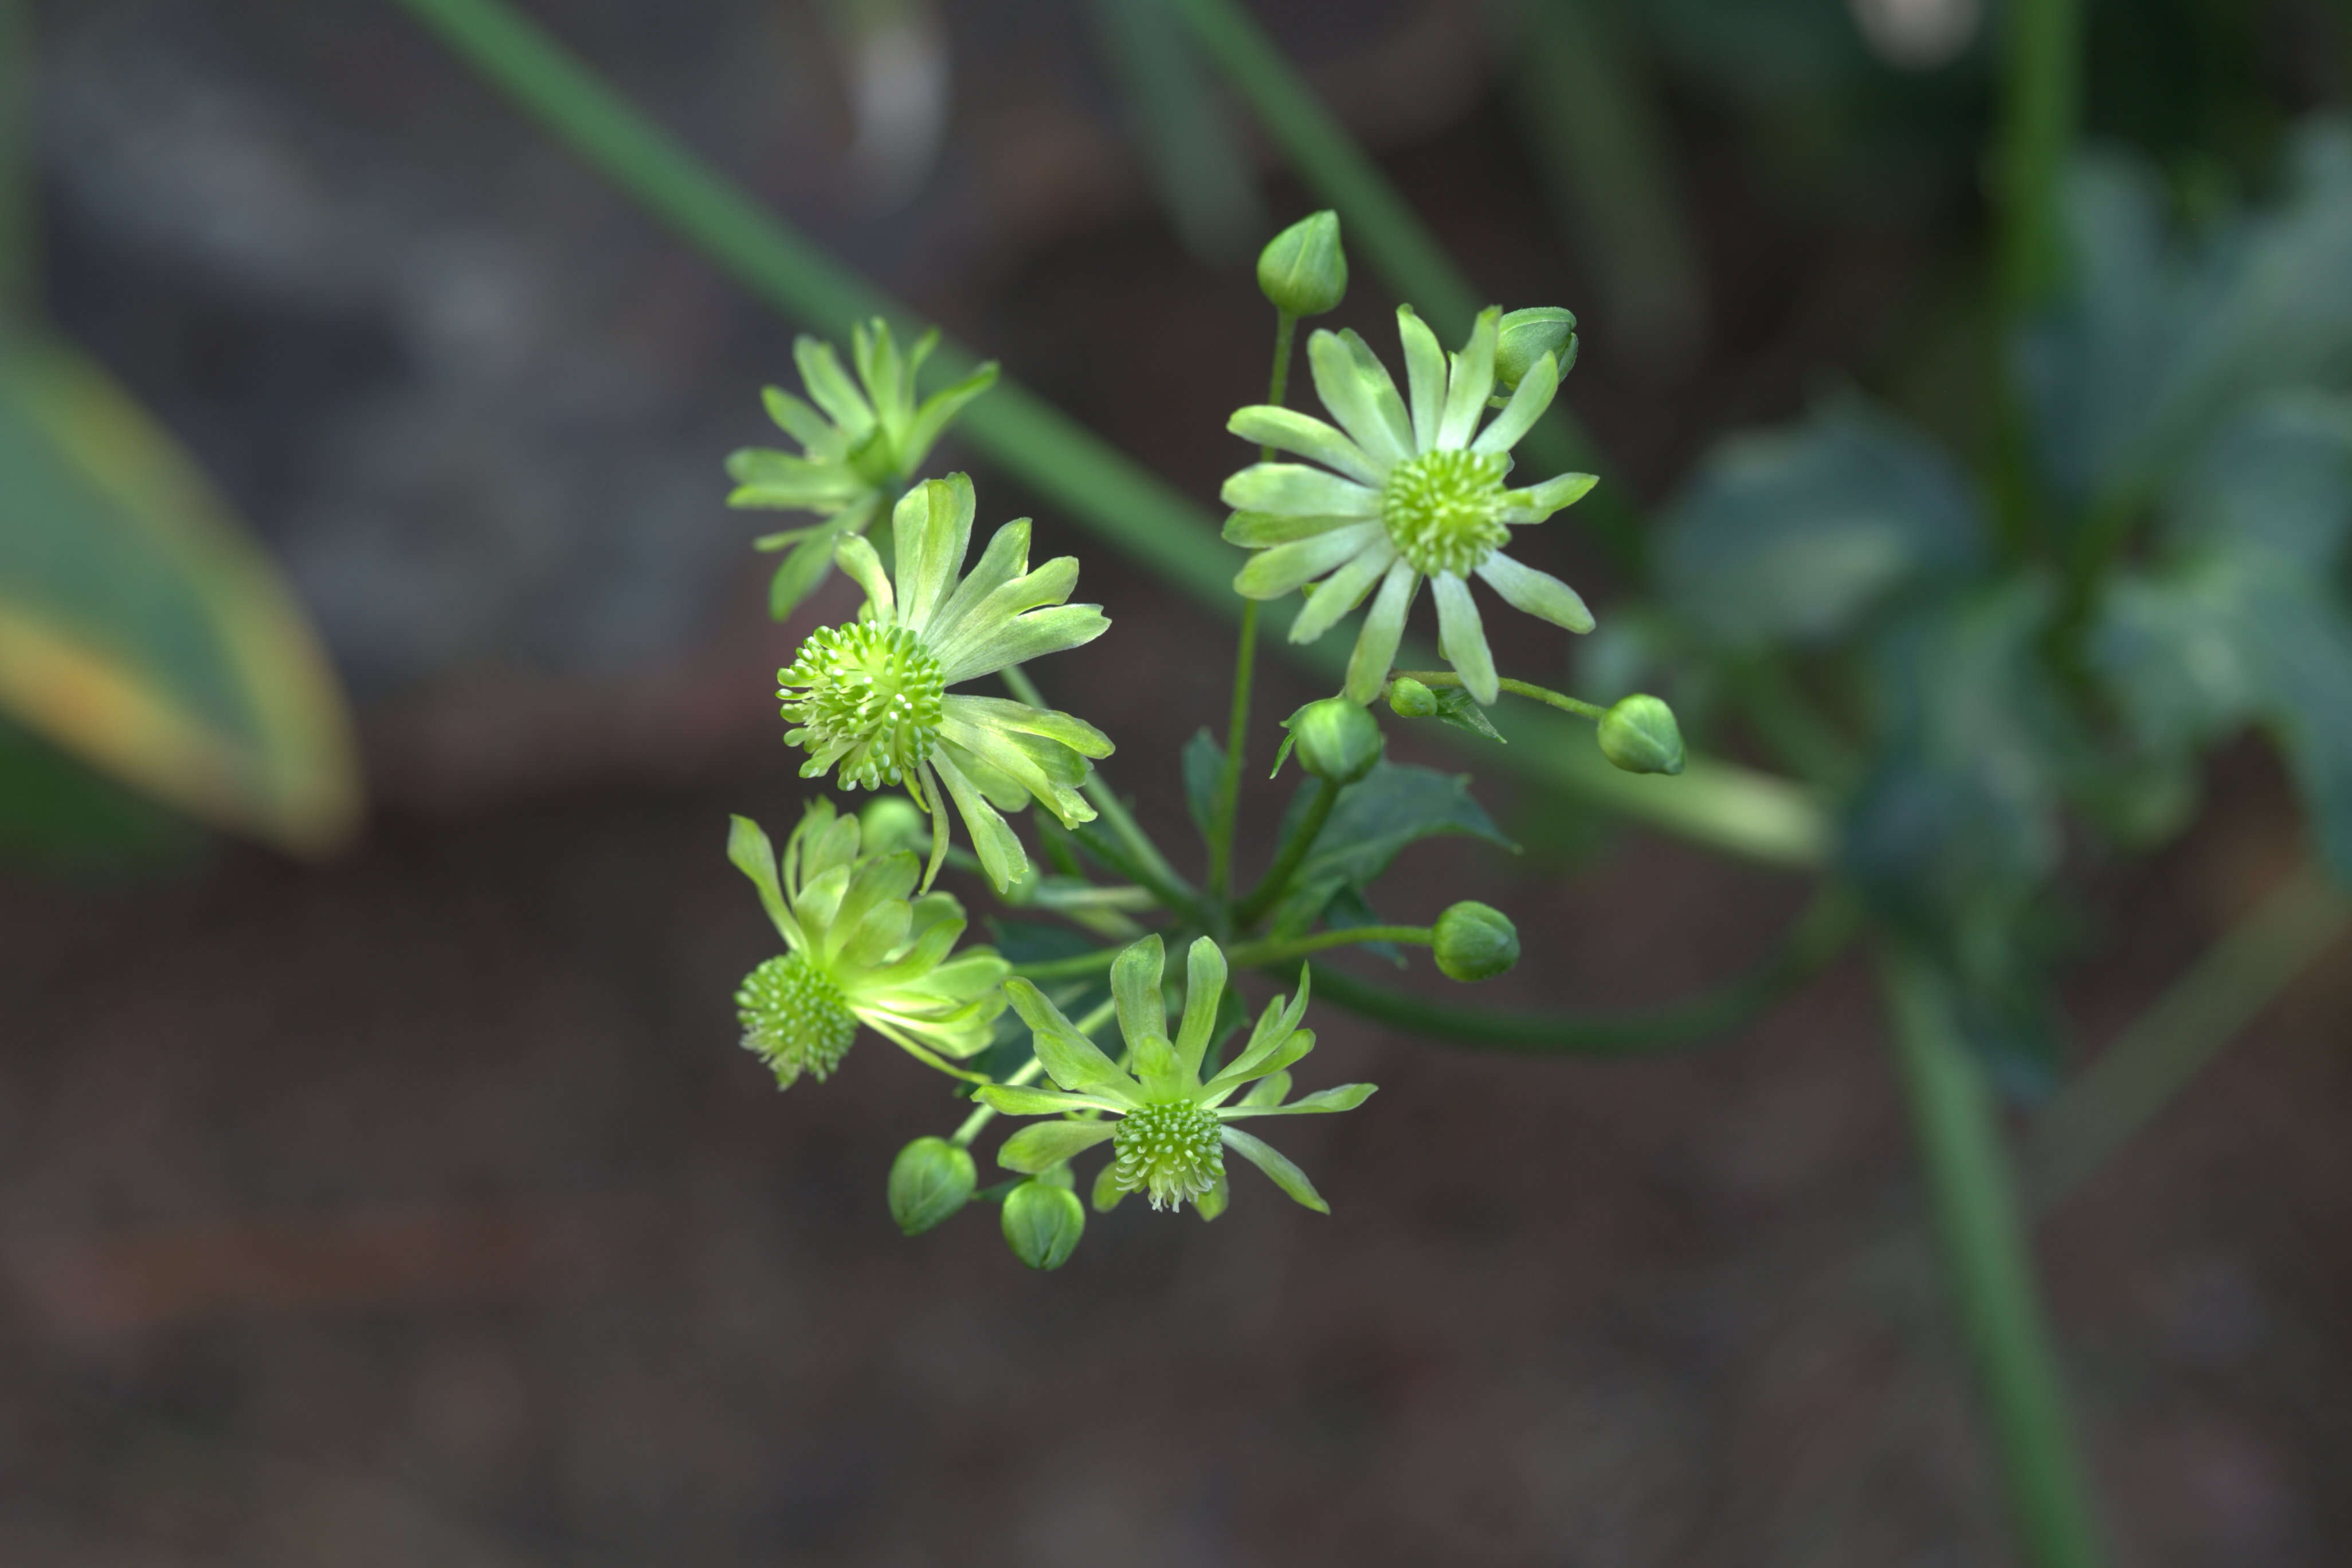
(1174, 1151)
(865, 697)
(795, 1018)
(1443, 509)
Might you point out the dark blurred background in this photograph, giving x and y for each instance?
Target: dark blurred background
(415, 1205)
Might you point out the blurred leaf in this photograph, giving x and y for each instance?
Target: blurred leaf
(2277, 479)
(1798, 534)
(1350, 910)
(1955, 832)
(59, 814)
(1205, 766)
(1458, 709)
(141, 628)
(1376, 818)
(2164, 335)
(1198, 165)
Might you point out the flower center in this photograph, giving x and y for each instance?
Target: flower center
(795, 1019)
(1170, 1151)
(866, 696)
(1443, 509)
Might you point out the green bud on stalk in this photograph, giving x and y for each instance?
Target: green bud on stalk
(1302, 270)
(1640, 735)
(1526, 336)
(1409, 699)
(1474, 942)
(930, 1181)
(1338, 740)
(1043, 1223)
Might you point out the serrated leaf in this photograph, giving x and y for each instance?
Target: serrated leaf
(1375, 819)
(1796, 535)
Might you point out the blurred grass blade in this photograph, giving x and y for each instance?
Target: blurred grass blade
(1600, 142)
(141, 627)
(1198, 165)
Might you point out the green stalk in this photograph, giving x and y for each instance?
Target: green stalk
(1382, 225)
(1818, 937)
(20, 282)
(1028, 1072)
(2146, 1066)
(1735, 809)
(1247, 955)
(1957, 1128)
(1291, 855)
(1229, 784)
(1528, 688)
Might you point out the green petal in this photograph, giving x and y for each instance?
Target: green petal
(1281, 1172)
(1341, 384)
(1135, 976)
(779, 481)
(1533, 396)
(1045, 1144)
(876, 354)
(977, 753)
(750, 851)
(1205, 987)
(1074, 1061)
(1294, 489)
(1001, 855)
(881, 880)
(1108, 1192)
(1005, 559)
(879, 931)
(1538, 594)
(954, 634)
(1347, 1096)
(855, 556)
(819, 900)
(822, 373)
(1539, 502)
(932, 528)
(1376, 644)
(1158, 1069)
(801, 573)
(1019, 1100)
(1269, 1091)
(931, 944)
(1424, 370)
(1461, 638)
(1271, 574)
(1259, 529)
(1001, 713)
(1288, 430)
(1342, 592)
(813, 430)
(1472, 383)
(1028, 636)
(939, 409)
(1386, 404)
(1285, 1051)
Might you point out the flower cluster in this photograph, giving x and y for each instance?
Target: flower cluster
(858, 951)
(859, 446)
(1170, 1127)
(1403, 494)
(869, 701)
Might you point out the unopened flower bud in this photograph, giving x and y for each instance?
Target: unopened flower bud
(930, 1181)
(1474, 942)
(1526, 336)
(892, 823)
(1409, 699)
(1337, 740)
(1640, 735)
(1302, 270)
(1043, 1223)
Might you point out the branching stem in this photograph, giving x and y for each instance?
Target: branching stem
(1544, 694)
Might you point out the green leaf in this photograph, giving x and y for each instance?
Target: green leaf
(143, 630)
(2277, 479)
(2161, 335)
(1799, 534)
(1204, 769)
(1376, 816)
(1458, 710)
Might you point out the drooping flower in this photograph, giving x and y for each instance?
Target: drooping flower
(1402, 494)
(870, 700)
(856, 455)
(1167, 1128)
(858, 951)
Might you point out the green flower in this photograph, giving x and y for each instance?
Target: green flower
(860, 951)
(1167, 1129)
(857, 456)
(870, 701)
(1409, 495)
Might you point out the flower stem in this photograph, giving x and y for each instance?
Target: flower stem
(1991, 1267)
(1294, 851)
(1257, 955)
(1028, 1072)
(1819, 936)
(1223, 821)
(1544, 694)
